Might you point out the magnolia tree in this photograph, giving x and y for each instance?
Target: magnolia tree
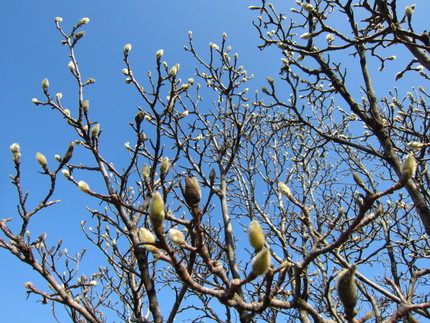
(305, 200)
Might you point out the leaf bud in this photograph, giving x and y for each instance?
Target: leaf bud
(192, 193)
(256, 235)
(261, 262)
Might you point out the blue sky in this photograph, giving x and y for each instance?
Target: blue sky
(31, 51)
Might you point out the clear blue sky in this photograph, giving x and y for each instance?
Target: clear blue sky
(31, 51)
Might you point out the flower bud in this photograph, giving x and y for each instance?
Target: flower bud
(41, 159)
(256, 235)
(192, 193)
(29, 285)
(159, 54)
(66, 173)
(71, 66)
(261, 262)
(58, 19)
(138, 118)
(95, 130)
(329, 38)
(165, 166)
(156, 208)
(145, 172)
(176, 237)
(347, 290)
(174, 70)
(307, 6)
(84, 187)
(284, 189)
(84, 21)
(409, 10)
(147, 239)
(45, 84)
(127, 48)
(85, 105)
(14, 148)
(409, 167)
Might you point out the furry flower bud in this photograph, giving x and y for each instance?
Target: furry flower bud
(45, 84)
(176, 237)
(156, 208)
(159, 54)
(409, 167)
(127, 48)
(83, 186)
(165, 166)
(41, 159)
(256, 235)
(284, 189)
(147, 239)
(15, 150)
(347, 290)
(174, 70)
(261, 262)
(145, 172)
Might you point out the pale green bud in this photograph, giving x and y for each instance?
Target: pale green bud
(58, 19)
(409, 10)
(15, 150)
(84, 21)
(45, 84)
(147, 239)
(59, 96)
(261, 262)
(284, 189)
(71, 66)
(41, 159)
(306, 36)
(176, 237)
(95, 130)
(85, 105)
(409, 167)
(174, 70)
(159, 54)
(330, 38)
(307, 6)
(165, 165)
(29, 285)
(84, 187)
(270, 80)
(256, 235)
(66, 173)
(127, 48)
(35, 101)
(156, 208)
(145, 171)
(190, 81)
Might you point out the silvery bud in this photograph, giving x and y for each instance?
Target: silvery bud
(15, 150)
(145, 171)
